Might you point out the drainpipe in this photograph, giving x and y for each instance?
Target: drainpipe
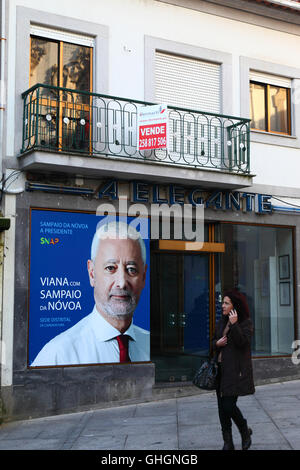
(2, 94)
(7, 236)
(2, 78)
(12, 183)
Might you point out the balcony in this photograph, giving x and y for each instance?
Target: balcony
(93, 134)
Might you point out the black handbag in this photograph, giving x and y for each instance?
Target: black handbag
(206, 377)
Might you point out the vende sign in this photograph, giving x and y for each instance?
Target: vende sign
(152, 124)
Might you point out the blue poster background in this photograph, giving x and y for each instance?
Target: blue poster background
(60, 294)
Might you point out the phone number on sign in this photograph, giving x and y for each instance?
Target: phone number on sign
(153, 142)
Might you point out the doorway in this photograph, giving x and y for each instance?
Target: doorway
(63, 105)
(180, 313)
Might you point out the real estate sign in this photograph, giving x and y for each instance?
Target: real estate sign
(152, 122)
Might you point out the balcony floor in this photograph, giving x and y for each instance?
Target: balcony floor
(127, 169)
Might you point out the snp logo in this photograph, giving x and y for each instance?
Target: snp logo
(49, 241)
(296, 352)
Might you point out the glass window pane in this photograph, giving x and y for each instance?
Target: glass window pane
(180, 321)
(258, 261)
(76, 67)
(278, 109)
(43, 62)
(257, 106)
(195, 319)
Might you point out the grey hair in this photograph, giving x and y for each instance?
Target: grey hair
(116, 230)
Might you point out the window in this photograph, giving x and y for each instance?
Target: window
(64, 114)
(196, 84)
(173, 73)
(270, 108)
(259, 261)
(60, 63)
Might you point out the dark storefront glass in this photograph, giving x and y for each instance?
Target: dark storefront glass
(259, 261)
(180, 312)
(180, 334)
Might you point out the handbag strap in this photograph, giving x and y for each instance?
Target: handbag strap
(218, 355)
(226, 329)
(215, 357)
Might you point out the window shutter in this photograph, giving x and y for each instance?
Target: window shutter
(188, 83)
(59, 35)
(270, 79)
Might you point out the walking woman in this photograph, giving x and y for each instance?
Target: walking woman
(232, 344)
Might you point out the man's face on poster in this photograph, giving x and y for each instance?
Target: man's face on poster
(118, 276)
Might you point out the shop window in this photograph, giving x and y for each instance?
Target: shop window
(258, 260)
(270, 108)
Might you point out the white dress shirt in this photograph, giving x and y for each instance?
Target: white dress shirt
(92, 341)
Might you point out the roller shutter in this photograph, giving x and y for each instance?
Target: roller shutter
(189, 83)
(60, 35)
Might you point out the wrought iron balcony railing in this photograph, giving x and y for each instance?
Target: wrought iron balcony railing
(64, 120)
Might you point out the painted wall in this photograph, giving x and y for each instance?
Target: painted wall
(129, 21)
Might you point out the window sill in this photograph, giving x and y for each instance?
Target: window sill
(286, 136)
(270, 138)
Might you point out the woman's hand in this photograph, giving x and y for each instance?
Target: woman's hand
(221, 342)
(233, 317)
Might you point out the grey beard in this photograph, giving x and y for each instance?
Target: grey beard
(120, 311)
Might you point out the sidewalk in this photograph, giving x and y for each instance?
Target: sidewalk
(186, 423)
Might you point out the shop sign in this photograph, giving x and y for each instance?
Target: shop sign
(171, 194)
(152, 122)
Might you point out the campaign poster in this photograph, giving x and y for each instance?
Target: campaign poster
(65, 327)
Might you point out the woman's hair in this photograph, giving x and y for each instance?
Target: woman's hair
(239, 303)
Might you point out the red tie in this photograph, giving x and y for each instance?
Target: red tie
(123, 347)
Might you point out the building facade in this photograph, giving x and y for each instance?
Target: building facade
(75, 81)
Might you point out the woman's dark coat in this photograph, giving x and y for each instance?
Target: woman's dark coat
(236, 365)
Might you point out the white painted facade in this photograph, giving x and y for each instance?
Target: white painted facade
(130, 21)
(127, 33)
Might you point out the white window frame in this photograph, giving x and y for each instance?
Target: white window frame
(27, 18)
(153, 44)
(274, 80)
(281, 74)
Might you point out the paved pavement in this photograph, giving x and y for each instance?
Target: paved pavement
(185, 423)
